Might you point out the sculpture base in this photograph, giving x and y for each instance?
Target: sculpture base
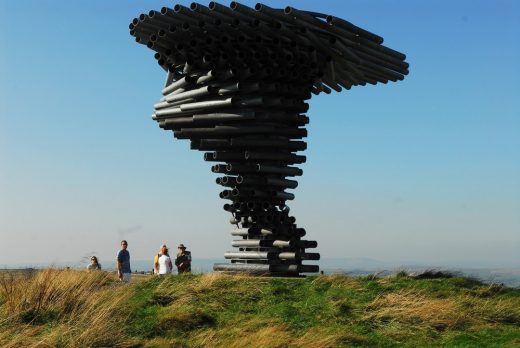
(266, 269)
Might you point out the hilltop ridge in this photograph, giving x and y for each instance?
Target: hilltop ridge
(68, 308)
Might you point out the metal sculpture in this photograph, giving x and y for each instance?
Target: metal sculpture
(237, 82)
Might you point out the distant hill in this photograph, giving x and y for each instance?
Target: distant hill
(70, 308)
(348, 266)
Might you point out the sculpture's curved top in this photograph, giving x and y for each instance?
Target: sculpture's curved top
(325, 50)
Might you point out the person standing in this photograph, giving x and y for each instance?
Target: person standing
(183, 260)
(163, 262)
(124, 272)
(94, 264)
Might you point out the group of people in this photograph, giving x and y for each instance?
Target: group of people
(162, 264)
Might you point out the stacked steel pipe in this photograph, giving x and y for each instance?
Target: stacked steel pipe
(236, 86)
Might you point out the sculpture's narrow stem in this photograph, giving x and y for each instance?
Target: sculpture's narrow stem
(251, 125)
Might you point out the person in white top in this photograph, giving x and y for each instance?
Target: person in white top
(162, 263)
(94, 264)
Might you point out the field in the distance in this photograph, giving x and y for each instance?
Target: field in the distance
(70, 308)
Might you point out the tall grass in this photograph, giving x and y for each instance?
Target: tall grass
(415, 308)
(59, 308)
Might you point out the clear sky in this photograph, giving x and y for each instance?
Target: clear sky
(423, 170)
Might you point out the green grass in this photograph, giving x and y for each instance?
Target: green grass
(214, 310)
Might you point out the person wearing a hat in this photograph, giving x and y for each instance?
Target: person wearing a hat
(183, 260)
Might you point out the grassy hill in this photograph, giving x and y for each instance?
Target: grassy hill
(60, 308)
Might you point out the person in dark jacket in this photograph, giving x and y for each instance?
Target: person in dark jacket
(183, 260)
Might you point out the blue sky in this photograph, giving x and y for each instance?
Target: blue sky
(423, 170)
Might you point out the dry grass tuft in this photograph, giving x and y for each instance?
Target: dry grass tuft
(207, 338)
(253, 333)
(268, 336)
(79, 304)
(493, 310)
(207, 281)
(159, 342)
(48, 293)
(412, 307)
(15, 337)
(490, 290)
